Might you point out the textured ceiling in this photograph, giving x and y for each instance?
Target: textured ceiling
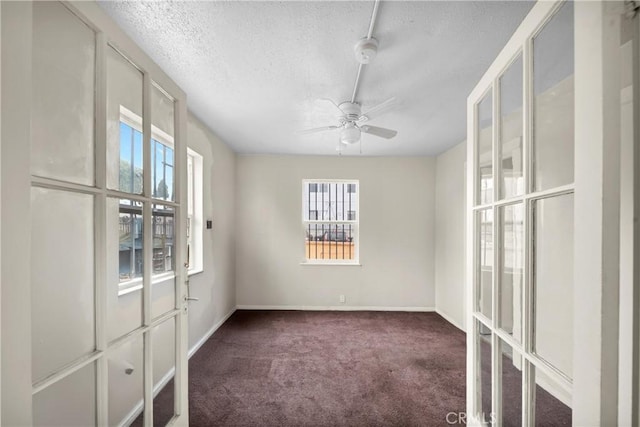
(255, 72)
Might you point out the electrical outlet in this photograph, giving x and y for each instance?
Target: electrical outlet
(342, 299)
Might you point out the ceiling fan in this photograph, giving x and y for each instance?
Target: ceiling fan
(352, 122)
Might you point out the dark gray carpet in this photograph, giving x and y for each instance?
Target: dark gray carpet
(297, 368)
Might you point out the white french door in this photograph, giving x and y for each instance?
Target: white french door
(108, 227)
(520, 226)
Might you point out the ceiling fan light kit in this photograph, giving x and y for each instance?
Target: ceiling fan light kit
(350, 134)
(351, 119)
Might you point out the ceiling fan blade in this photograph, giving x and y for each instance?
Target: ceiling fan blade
(330, 101)
(316, 130)
(379, 109)
(377, 131)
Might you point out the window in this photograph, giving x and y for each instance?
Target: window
(330, 221)
(130, 180)
(194, 212)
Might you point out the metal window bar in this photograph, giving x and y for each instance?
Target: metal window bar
(330, 236)
(333, 241)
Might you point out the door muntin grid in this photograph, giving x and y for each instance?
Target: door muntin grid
(509, 326)
(99, 360)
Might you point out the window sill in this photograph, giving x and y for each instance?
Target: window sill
(195, 271)
(136, 284)
(347, 264)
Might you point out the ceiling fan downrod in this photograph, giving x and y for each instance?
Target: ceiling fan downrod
(365, 50)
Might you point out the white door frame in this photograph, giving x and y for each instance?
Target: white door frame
(635, 328)
(16, 137)
(597, 211)
(17, 387)
(596, 206)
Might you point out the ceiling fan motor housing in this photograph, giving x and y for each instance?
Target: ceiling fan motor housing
(351, 111)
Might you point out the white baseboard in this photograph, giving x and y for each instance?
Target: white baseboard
(554, 390)
(333, 308)
(210, 332)
(450, 320)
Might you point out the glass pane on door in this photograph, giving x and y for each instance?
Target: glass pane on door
(484, 271)
(69, 402)
(552, 404)
(511, 385)
(64, 57)
(483, 378)
(164, 365)
(163, 291)
(124, 124)
(125, 367)
(553, 283)
(162, 145)
(484, 158)
(62, 279)
(511, 128)
(553, 109)
(511, 277)
(125, 266)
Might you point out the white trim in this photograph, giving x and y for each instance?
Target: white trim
(198, 222)
(596, 212)
(334, 308)
(635, 327)
(210, 332)
(449, 319)
(16, 40)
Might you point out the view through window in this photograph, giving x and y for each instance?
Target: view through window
(330, 219)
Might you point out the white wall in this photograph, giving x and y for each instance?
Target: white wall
(450, 234)
(397, 212)
(215, 286)
(625, 368)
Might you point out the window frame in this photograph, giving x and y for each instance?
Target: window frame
(195, 213)
(355, 224)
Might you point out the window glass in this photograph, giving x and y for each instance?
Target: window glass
(484, 236)
(484, 157)
(553, 109)
(511, 128)
(130, 178)
(162, 161)
(124, 124)
(63, 95)
(330, 220)
(553, 281)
